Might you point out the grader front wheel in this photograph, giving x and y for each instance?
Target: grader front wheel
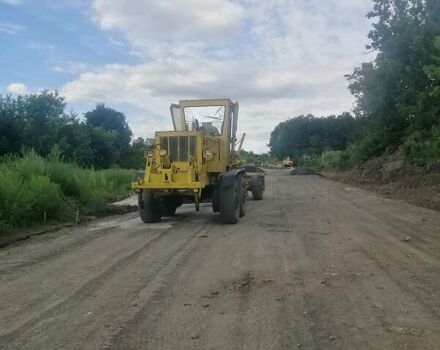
(149, 207)
(243, 193)
(232, 202)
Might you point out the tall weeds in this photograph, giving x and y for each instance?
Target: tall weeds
(34, 189)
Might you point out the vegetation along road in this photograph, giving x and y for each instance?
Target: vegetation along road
(315, 265)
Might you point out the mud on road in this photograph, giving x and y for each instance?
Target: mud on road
(315, 265)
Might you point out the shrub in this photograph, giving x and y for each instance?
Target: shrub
(10, 191)
(312, 161)
(370, 146)
(336, 159)
(423, 149)
(39, 196)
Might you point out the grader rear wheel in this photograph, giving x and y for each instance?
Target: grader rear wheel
(255, 187)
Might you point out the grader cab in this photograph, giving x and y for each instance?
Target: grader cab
(197, 162)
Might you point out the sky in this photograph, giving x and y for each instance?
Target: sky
(278, 58)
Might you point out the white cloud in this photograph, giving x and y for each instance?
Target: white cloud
(11, 28)
(184, 19)
(279, 58)
(70, 67)
(12, 2)
(17, 88)
(153, 26)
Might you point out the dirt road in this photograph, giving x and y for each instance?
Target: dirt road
(316, 265)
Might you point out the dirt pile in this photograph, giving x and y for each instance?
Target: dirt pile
(253, 169)
(394, 179)
(302, 171)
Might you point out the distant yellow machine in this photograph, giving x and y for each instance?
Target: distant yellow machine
(287, 162)
(197, 161)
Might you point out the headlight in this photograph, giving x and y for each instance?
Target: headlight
(163, 152)
(208, 153)
(150, 153)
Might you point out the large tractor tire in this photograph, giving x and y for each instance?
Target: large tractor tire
(243, 197)
(149, 207)
(230, 203)
(256, 189)
(216, 200)
(169, 206)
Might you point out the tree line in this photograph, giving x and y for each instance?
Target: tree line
(397, 96)
(102, 139)
(307, 134)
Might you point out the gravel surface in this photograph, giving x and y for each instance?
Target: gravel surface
(315, 265)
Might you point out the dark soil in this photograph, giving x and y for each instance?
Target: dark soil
(253, 169)
(302, 171)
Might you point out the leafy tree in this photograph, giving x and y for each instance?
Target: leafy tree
(11, 124)
(303, 135)
(31, 121)
(75, 141)
(111, 120)
(251, 157)
(397, 95)
(134, 156)
(426, 112)
(102, 144)
(43, 119)
(39, 122)
(388, 89)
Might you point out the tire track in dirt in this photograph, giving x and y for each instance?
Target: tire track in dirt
(81, 292)
(53, 245)
(388, 252)
(282, 323)
(424, 231)
(418, 289)
(46, 256)
(141, 331)
(156, 283)
(391, 236)
(314, 334)
(251, 324)
(362, 228)
(256, 324)
(92, 285)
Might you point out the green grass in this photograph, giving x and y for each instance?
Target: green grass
(420, 149)
(32, 187)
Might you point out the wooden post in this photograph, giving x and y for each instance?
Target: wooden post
(44, 218)
(77, 217)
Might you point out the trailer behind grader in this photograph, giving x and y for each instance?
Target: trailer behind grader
(196, 162)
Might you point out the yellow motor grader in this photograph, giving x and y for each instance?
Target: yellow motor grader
(197, 161)
(287, 162)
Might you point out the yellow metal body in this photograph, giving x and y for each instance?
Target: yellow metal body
(287, 162)
(194, 158)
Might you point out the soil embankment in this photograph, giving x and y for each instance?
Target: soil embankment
(393, 179)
